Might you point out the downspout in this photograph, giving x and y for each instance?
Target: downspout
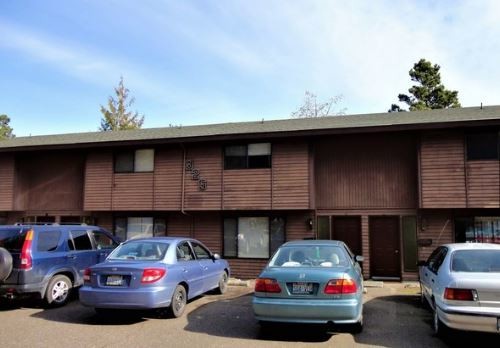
(183, 178)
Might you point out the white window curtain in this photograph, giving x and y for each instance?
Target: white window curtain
(144, 160)
(253, 237)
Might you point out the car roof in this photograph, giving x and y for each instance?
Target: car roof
(162, 239)
(472, 246)
(313, 242)
(49, 226)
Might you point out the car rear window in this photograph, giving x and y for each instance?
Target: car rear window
(309, 256)
(487, 261)
(12, 239)
(140, 250)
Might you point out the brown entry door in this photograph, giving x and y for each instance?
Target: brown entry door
(384, 247)
(348, 230)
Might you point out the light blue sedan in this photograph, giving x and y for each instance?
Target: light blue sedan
(311, 281)
(154, 273)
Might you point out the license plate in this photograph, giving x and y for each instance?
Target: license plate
(114, 280)
(302, 288)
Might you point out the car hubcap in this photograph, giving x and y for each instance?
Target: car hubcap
(60, 291)
(179, 301)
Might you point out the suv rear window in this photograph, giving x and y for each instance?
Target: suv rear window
(48, 240)
(12, 239)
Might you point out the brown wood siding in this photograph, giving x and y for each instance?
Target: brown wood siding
(208, 160)
(369, 171)
(442, 172)
(7, 174)
(168, 179)
(290, 176)
(179, 225)
(98, 181)
(208, 230)
(297, 227)
(246, 268)
(49, 181)
(104, 220)
(483, 184)
(437, 226)
(247, 189)
(132, 191)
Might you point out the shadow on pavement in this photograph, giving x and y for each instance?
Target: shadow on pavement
(234, 318)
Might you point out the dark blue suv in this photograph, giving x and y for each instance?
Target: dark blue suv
(49, 260)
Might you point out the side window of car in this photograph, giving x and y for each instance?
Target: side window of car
(439, 260)
(436, 259)
(103, 241)
(200, 252)
(81, 240)
(184, 252)
(48, 240)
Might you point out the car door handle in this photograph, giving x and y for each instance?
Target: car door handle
(184, 270)
(205, 268)
(432, 280)
(72, 257)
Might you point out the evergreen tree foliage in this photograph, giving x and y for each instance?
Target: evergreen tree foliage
(5, 128)
(116, 116)
(428, 93)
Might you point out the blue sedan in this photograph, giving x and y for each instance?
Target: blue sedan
(154, 273)
(311, 281)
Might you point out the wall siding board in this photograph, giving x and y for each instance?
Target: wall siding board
(483, 184)
(247, 189)
(437, 226)
(7, 179)
(98, 181)
(208, 160)
(442, 172)
(133, 191)
(168, 179)
(290, 176)
(369, 171)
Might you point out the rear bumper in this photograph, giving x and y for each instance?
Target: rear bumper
(14, 290)
(348, 311)
(455, 318)
(146, 298)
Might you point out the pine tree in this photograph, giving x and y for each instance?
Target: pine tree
(116, 116)
(5, 128)
(429, 93)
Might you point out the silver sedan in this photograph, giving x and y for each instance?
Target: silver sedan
(461, 283)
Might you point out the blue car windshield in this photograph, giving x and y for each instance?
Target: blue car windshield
(476, 261)
(310, 256)
(140, 250)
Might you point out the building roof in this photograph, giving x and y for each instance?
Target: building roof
(442, 118)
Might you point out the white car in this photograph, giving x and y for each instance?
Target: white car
(461, 283)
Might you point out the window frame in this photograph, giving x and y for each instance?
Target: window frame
(157, 220)
(247, 157)
(71, 237)
(134, 160)
(269, 250)
(480, 134)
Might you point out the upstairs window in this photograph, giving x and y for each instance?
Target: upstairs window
(249, 156)
(135, 161)
(482, 146)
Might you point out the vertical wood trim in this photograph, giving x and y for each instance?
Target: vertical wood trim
(419, 164)
(466, 172)
(365, 245)
(312, 182)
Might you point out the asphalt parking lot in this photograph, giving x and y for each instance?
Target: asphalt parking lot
(393, 318)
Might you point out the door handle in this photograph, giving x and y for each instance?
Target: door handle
(72, 257)
(184, 270)
(396, 251)
(205, 268)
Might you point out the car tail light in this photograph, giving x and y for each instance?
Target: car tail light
(86, 275)
(267, 285)
(26, 260)
(344, 285)
(151, 275)
(459, 294)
